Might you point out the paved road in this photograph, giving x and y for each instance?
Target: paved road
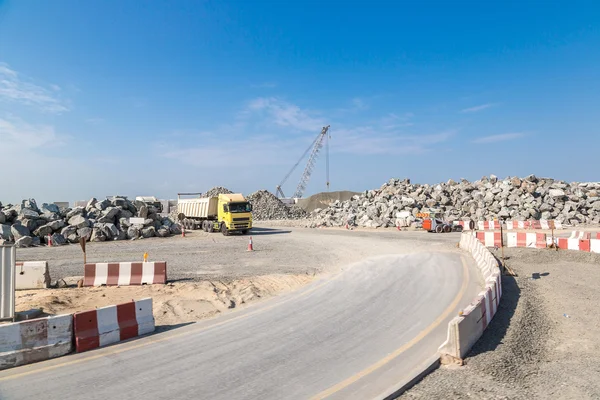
(355, 335)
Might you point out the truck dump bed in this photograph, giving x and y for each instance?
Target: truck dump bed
(206, 207)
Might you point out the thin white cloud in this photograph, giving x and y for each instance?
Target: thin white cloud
(14, 88)
(477, 108)
(279, 112)
(261, 130)
(499, 138)
(19, 135)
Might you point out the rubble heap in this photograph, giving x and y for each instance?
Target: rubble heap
(216, 191)
(26, 224)
(266, 206)
(511, 198)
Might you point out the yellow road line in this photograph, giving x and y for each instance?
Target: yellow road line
(342, 385)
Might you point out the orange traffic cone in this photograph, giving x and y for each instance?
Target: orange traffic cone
(182, 230)
(49, 240)
(250, 248)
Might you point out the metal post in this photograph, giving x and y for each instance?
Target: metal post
(7, 282)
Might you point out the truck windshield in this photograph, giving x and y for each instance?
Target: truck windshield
(239, 207)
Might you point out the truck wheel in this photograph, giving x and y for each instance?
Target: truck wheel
(244, 231)
(210, 226)
(439, 229)
(447, 228)
(224, 230)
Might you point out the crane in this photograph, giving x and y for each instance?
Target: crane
(315, 146)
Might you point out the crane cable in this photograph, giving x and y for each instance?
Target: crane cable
(296, 165)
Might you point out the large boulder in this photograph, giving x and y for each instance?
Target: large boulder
(133, 232)
(56, 225)
(175, 229)
(125, 214)
(70, 232)
(24, 241)
(19, 231)
(85, 233)
(97, 235)
(110, 230)
(91, 204)
(75, 211)
(28, 213)
(5, 232)
(50, 209)
(31, 204)
(109, 215)
(102, 205)
(119, 202)
(79, 221)
(143, 211)
(2, 218)
(43, 231)
(58, 239)
(149, 232)
(163, 231)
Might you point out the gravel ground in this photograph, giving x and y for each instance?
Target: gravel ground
(203, 256)
(543, 343)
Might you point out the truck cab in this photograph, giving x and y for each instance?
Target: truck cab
(234, 213)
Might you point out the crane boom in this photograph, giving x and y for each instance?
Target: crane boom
(316, 146)
(311, 163)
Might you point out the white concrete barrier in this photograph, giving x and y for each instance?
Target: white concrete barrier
(467, 328)
(32, 275)
(35, 340)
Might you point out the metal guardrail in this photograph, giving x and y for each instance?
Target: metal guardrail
(7, 282)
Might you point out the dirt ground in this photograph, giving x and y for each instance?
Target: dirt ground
(322, 200)
(544, 342)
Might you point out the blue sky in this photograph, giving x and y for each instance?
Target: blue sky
(153, 98)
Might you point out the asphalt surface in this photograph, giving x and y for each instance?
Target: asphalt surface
(356, 335)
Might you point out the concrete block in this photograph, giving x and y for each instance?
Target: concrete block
(32, 275)
(35, 340)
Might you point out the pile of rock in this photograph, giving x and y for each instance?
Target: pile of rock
(266, 206)
(217, 190)
(511, 198)
(29, 225)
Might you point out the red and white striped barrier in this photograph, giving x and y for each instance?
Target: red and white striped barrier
(112, 324)
(513, 225)
(526, 239)
(467, 328)
(587, 245)
(35, 340)
(125, 273)
(584, 235)
(488, 225)
(490, 239)
(466, 225)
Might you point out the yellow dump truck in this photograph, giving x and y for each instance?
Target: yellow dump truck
(226, 213)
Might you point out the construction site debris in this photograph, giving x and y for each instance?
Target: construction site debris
(513, 198)
(27, 225)
(266, 206)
